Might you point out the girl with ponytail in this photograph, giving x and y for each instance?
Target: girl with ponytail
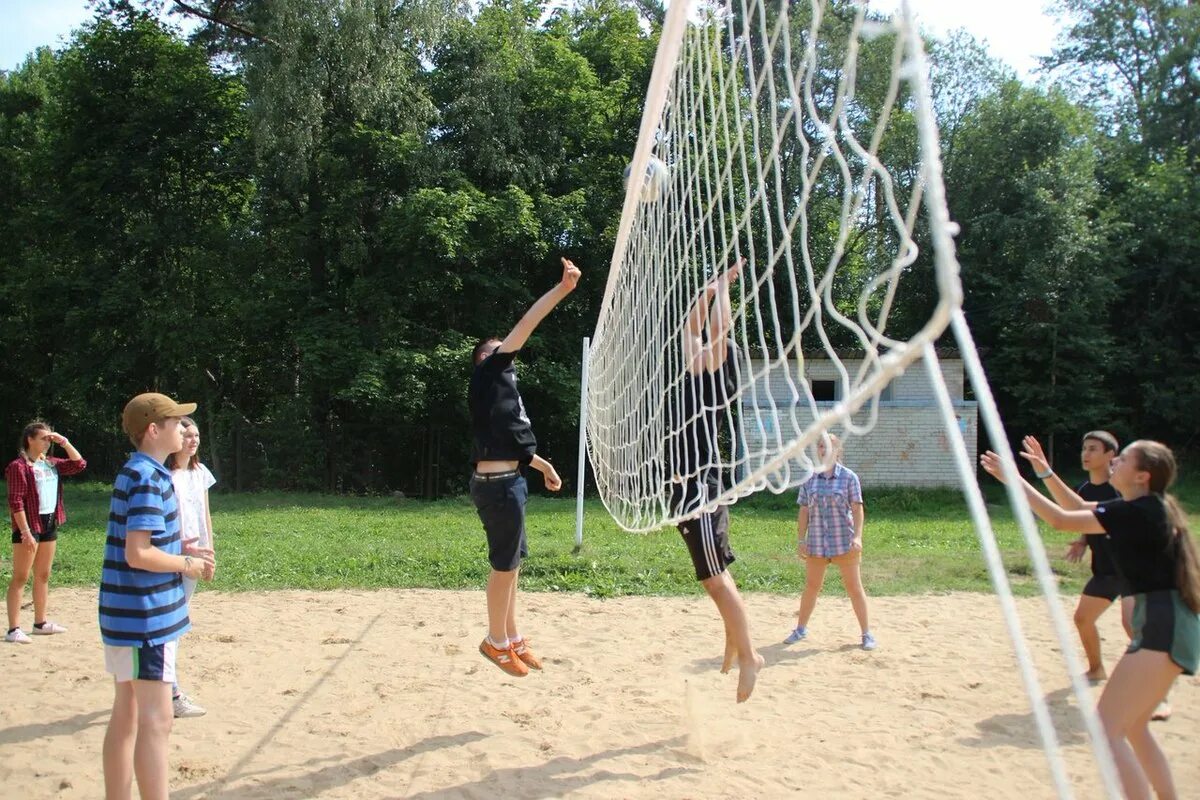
(1148, 536)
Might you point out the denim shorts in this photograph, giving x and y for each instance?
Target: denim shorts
(500, 502)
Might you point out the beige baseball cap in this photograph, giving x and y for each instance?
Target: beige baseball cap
(150, 407)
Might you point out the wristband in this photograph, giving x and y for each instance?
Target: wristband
(1042, 476)
(187, 564)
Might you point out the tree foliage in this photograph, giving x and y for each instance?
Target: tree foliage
(305, 213)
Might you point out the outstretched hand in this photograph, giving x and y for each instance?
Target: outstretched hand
(993, 465)
(1031, 451)
(570, 275)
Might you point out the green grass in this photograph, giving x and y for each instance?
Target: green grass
(917, 541)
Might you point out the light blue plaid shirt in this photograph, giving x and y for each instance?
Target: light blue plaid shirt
(829, 497)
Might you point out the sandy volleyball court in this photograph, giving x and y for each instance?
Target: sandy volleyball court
(383, 695)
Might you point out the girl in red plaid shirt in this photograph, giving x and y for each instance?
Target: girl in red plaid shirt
(36, 507)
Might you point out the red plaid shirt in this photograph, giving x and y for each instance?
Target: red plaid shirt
(23, 493)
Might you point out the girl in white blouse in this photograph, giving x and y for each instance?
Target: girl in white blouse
(192, 481)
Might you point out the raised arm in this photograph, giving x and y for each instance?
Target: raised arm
(1073, 520)
(699, 312)
(537, 312)
(1065, 496)
(701, 356)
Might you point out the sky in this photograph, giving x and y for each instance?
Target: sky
(1016, 31)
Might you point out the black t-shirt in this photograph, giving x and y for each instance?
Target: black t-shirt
(500, 429)
(1102, 563)
(695, 423)
(1141, 541)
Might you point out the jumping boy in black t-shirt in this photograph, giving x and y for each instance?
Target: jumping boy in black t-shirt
(503, 441)
(1099, 450)
(692, 455)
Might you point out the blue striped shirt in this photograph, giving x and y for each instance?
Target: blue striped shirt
(140, 608)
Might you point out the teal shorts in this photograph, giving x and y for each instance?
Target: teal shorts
(1163, 622)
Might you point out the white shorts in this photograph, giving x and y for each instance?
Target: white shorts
(155, 663)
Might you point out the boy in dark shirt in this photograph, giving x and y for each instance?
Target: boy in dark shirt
(1099, 450)
(693, 463)
(503, 441)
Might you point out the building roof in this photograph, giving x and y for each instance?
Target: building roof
(818, 354)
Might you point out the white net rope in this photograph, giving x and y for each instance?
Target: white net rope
(793, 208)
(775, 160)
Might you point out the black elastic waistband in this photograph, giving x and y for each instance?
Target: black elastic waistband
(495, 476)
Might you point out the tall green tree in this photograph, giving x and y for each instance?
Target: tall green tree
(1137, 61)
(1138, 65)
(1022, 184)
(130, 202)
(23, 96)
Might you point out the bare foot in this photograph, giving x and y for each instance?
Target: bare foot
(1162, 712)
(731, 654)
(747, 675)
(1094, 676)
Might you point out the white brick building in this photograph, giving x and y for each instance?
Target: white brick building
(908, 445)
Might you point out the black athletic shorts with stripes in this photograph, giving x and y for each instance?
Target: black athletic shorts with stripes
(706, 535)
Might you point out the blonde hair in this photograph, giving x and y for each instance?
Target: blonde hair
(1158, 460)
(835, 444)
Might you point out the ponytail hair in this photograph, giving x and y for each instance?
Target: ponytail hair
(31, 430)
(1187, 558)
(1158, 460)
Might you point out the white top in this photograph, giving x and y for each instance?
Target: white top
(46, 477)
(191, 487)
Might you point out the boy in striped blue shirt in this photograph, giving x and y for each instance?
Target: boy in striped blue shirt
(143, 611)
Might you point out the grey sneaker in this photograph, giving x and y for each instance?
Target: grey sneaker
(797, 635)
(868, 641)
(185, 707)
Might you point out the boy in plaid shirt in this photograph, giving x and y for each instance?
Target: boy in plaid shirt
(830, 530)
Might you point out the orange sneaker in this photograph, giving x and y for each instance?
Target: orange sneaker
(525, 653)
(506, 660)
